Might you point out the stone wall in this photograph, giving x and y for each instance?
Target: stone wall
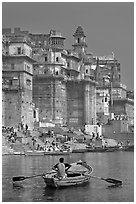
(115, 126)
(75, 103)
(49, 95)
(12, 108)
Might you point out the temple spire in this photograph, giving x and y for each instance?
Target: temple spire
(79, 40)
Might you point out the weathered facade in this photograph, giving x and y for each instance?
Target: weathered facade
(17, 82)
(115, 102)
(102, 105)
(63, 90)
(67, 86)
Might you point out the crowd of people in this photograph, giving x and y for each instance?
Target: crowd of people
(49, 146)
(120, 117)
(11, 133)
(22, 127)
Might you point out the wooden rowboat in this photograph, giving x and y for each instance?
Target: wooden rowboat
(100, 149)
(127, 148)
(57, 153)
(42, 153)
(34, 153)
(73, 178)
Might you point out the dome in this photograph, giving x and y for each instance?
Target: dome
(79, 32)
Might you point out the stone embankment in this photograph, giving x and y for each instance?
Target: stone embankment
(21, 142)
(16, 145)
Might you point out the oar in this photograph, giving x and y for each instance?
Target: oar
(109, 180)
(21, 178)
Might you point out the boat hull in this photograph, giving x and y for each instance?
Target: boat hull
(66, 182)
(57, 153)
(100, 149)
(128, 148)
(79, 174)
(34, 153)
(42, 153)
(79, 150)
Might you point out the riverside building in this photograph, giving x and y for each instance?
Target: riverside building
(64, 86)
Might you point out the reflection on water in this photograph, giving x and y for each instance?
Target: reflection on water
(17, 186)
(119, 165)
(114, 186)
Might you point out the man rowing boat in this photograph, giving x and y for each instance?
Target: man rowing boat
(61, 168)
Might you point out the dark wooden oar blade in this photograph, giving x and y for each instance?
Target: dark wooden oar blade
(18, 178)
(111, 180)
(21, 178)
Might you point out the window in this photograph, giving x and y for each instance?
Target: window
(12, 66)
(19, 50)
(57, 73)
(28, 68)
(78, 40)
(68, 64)
(57, 59)
(45, 43)
(106, 99)
(86, 71)
(34, 114)
(10, 81)
(45, 59)
(68, 74)
(28, 82)
(39, 42)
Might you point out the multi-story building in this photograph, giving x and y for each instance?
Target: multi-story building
(107, 73)
(17, 73)
(64, 90)
(68, 86)
(102, 105)
(64, 87)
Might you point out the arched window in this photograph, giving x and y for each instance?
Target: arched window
(34, 114)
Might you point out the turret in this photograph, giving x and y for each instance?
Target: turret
(56, 41)
(79, 40)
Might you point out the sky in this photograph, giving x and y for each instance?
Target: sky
(108, 26)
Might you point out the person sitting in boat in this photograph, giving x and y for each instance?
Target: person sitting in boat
(61, 168)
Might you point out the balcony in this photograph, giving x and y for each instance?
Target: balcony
(54, 33)
(21, 39)
(49, 75)
(7, 87)
(118, 85)
(88, 60)
(6, 67)
(21, 53)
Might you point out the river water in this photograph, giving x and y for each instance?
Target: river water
(119, 165)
